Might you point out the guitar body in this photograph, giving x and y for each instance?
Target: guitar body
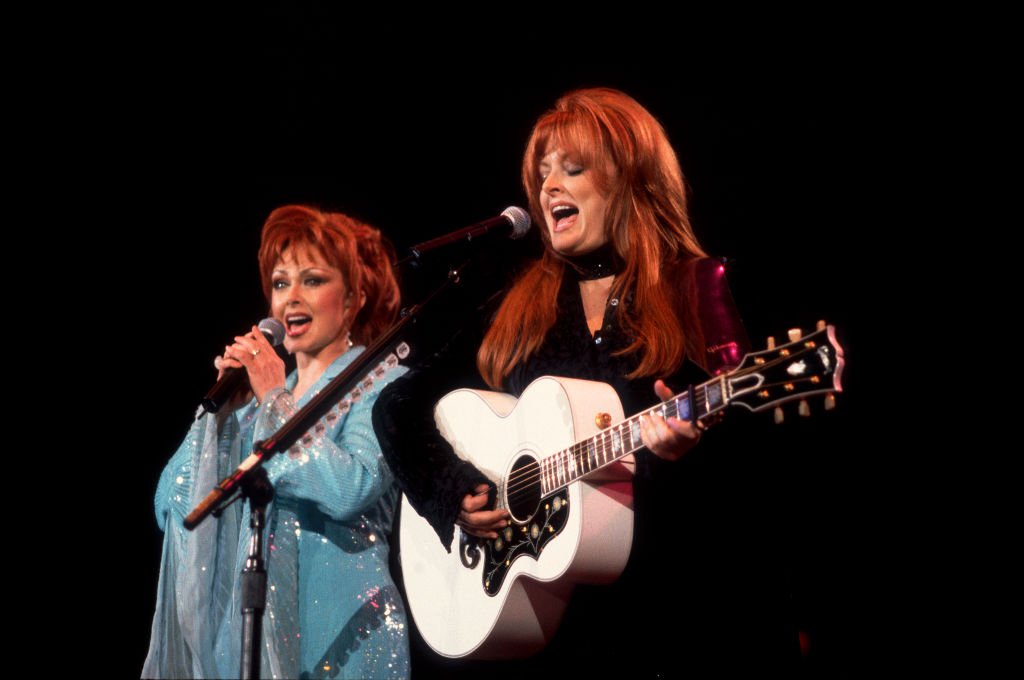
(505, 597)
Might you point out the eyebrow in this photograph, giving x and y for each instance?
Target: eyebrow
(307, 270)
(568, 157)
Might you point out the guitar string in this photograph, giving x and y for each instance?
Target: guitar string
(579, 451)
(518, 483)
(530, 473)
(562, 472)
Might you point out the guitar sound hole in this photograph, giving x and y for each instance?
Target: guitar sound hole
(523, 492)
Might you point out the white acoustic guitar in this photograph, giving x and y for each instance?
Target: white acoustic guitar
(561, 459)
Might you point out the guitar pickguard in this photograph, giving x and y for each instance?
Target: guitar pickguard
(521, 539)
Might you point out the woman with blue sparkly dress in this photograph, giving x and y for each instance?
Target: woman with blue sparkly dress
(332, 607)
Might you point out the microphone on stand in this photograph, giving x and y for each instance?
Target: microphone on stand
(513, 220)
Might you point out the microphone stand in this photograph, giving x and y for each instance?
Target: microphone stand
(250, 481)
(258, 489)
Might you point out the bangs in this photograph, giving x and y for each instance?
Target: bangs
(303, 246)
(578, 135)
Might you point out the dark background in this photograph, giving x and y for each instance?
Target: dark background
(779, 173)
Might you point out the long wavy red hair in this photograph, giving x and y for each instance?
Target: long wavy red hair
(634, 166)
(359, 251)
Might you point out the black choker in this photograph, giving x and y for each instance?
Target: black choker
(597, 264)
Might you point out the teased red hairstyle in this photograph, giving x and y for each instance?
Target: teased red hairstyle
(634, 166)
(360, 252)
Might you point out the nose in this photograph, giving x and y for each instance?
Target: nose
(552, 184)
(290, 295)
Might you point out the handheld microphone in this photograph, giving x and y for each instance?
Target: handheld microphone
(235, 379)
(513, 218)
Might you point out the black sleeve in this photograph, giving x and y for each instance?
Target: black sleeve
(428, 471)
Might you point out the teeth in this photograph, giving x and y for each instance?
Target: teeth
(560, 211)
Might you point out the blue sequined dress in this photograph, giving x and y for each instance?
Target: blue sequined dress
(332, 607)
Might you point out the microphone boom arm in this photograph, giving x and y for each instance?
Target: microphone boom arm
(512, 217)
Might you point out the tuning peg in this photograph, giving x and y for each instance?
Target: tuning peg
(795, 334)
(804, 409)
(821, 324)
(830, 401)
(771, 342)
(779, 415)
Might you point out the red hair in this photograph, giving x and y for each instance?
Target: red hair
(632, 163)
(361, 253)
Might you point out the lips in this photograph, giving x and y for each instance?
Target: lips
(564, 215)
(297, 324)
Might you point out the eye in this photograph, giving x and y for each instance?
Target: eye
(573, 170)
(278, 284)
(313, 281)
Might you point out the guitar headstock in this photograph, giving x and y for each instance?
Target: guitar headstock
(805, 366)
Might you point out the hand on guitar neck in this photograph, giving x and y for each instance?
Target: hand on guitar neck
(669, 438)
(475, 519)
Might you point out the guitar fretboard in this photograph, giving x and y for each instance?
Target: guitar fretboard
(622, 439)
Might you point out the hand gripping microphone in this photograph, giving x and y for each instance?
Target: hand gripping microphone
(235, 379)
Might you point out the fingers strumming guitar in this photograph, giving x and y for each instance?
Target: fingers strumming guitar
(475, 519)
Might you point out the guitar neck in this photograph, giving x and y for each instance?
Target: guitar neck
(808, 365)
(620, 440)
